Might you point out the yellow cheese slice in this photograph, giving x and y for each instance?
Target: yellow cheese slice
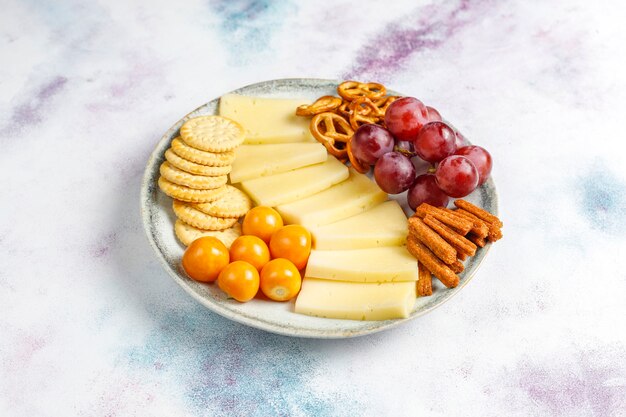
(383, 225)
(297, 184)
(253, 161)
(267, 120)
(385, 264)
(355, 301)
(348, 198)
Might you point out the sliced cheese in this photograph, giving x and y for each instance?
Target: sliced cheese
(355, 301)
(383, 225)
(348, 198)
(267, 120)
(385, 264)
(297, 184)
(253, 161)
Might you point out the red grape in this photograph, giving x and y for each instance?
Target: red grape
(456, 176)
(480, 158)
(405, 117)
(435, 141)
(460, 140)
(394, 173)
(425, 190)
(433, 115)
(405, 147)
(370, 142)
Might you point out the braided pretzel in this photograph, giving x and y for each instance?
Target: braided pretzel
(350, 90)
(363, 110)
(329, 128)
(322, 104)
(356, 164)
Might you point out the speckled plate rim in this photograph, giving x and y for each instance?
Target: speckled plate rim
(148, 204)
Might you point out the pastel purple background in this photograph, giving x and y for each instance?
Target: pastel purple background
(90, 325)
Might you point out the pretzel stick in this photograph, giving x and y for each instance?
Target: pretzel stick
(493, 230)
(458, 224)
(424, 281)
(478, 212)
(479, 227)
(457, 266)
(479, 241)
(431, 262)
(430, 238)
(460, 243)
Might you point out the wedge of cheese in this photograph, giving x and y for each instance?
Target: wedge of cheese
(348, 198)
(253, 161)
(383, 225)
(355, 301)
(386, 264)
(267, 120)
(297, 184)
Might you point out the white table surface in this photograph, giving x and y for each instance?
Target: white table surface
(90, 324)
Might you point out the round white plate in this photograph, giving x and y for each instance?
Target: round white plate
(158, 219)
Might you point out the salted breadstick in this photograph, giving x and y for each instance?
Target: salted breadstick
(431, 262)
(458, 224)
(457, 266)
(479, 241)
(424, 281)
(460, 243)
(479, 227)
(478, 212)
(494, 232)
(430, 238)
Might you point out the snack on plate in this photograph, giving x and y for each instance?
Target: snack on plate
(210, 159)
(321, 105)
(332, 131)
(190, 215)
(335, 119)
(233, 204)
(187, 233)
(212, 133)
(197, 182)
(424, 281)
(192, 195)
(194, 174)
(439, 238)
(193, 168)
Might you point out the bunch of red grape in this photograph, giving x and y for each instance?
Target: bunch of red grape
(416, 130)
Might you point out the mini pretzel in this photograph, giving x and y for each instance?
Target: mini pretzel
(329, 128)
(356, 164)
(350, 90)
(383, 103)
(344, 109)
(321, 105)
(363, 110)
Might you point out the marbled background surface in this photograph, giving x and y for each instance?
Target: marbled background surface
(90, 325)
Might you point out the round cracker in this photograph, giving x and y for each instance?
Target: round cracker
(198, 182)
(201, 157)
(180, 192)
(212, 133)
(196, 218)
(186, 233)
(193, 168)
(234, 203)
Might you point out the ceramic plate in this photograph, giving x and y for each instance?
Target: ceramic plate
(158, 219)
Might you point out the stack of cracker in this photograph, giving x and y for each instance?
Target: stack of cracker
(195, 175)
